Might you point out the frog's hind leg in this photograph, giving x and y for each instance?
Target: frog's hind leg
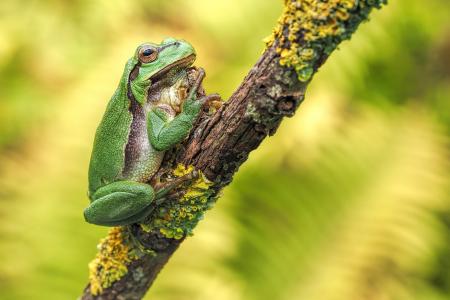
(120, 203)
(137, 218)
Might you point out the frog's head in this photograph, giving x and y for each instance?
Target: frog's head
(153, 62)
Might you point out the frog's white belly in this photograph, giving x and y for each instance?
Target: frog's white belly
(142, 161)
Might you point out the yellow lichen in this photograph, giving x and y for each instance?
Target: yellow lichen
(308, 29)
(176, 220)
(181, 170)
(110, 263)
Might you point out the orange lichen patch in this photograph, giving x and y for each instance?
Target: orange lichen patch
(110, 263)
(308, 29)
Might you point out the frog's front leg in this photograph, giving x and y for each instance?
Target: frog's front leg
(165, 132)
(120, 203)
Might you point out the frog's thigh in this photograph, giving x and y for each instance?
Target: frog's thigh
(117, 203)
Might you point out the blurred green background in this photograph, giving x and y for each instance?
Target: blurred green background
(349, 200)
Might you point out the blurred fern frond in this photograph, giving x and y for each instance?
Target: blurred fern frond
(360, 222)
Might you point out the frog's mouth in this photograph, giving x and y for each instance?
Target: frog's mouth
(177, 65)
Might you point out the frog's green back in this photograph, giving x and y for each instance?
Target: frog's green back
(108, 153)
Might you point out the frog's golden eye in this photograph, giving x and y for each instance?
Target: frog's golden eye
(148, 54)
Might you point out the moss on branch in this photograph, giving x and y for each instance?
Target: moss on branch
(177, 220)
(308, 29)
(115, 252)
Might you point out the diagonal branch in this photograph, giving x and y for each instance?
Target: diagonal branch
(307, 33)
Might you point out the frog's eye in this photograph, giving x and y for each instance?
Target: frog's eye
(148, 54)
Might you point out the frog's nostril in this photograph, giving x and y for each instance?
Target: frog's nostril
(176, 44)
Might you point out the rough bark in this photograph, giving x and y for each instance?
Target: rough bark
(220, 143)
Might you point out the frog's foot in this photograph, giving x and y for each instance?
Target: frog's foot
(198, 82)
(212, 100)
(179, 182)
(170, 197)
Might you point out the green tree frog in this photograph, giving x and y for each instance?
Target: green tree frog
(153, 109)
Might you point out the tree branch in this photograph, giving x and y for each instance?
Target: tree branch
(307, 33)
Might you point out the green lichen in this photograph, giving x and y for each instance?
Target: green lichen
(252, 113)
(110, 264)
(177, 220)
(310, 29)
